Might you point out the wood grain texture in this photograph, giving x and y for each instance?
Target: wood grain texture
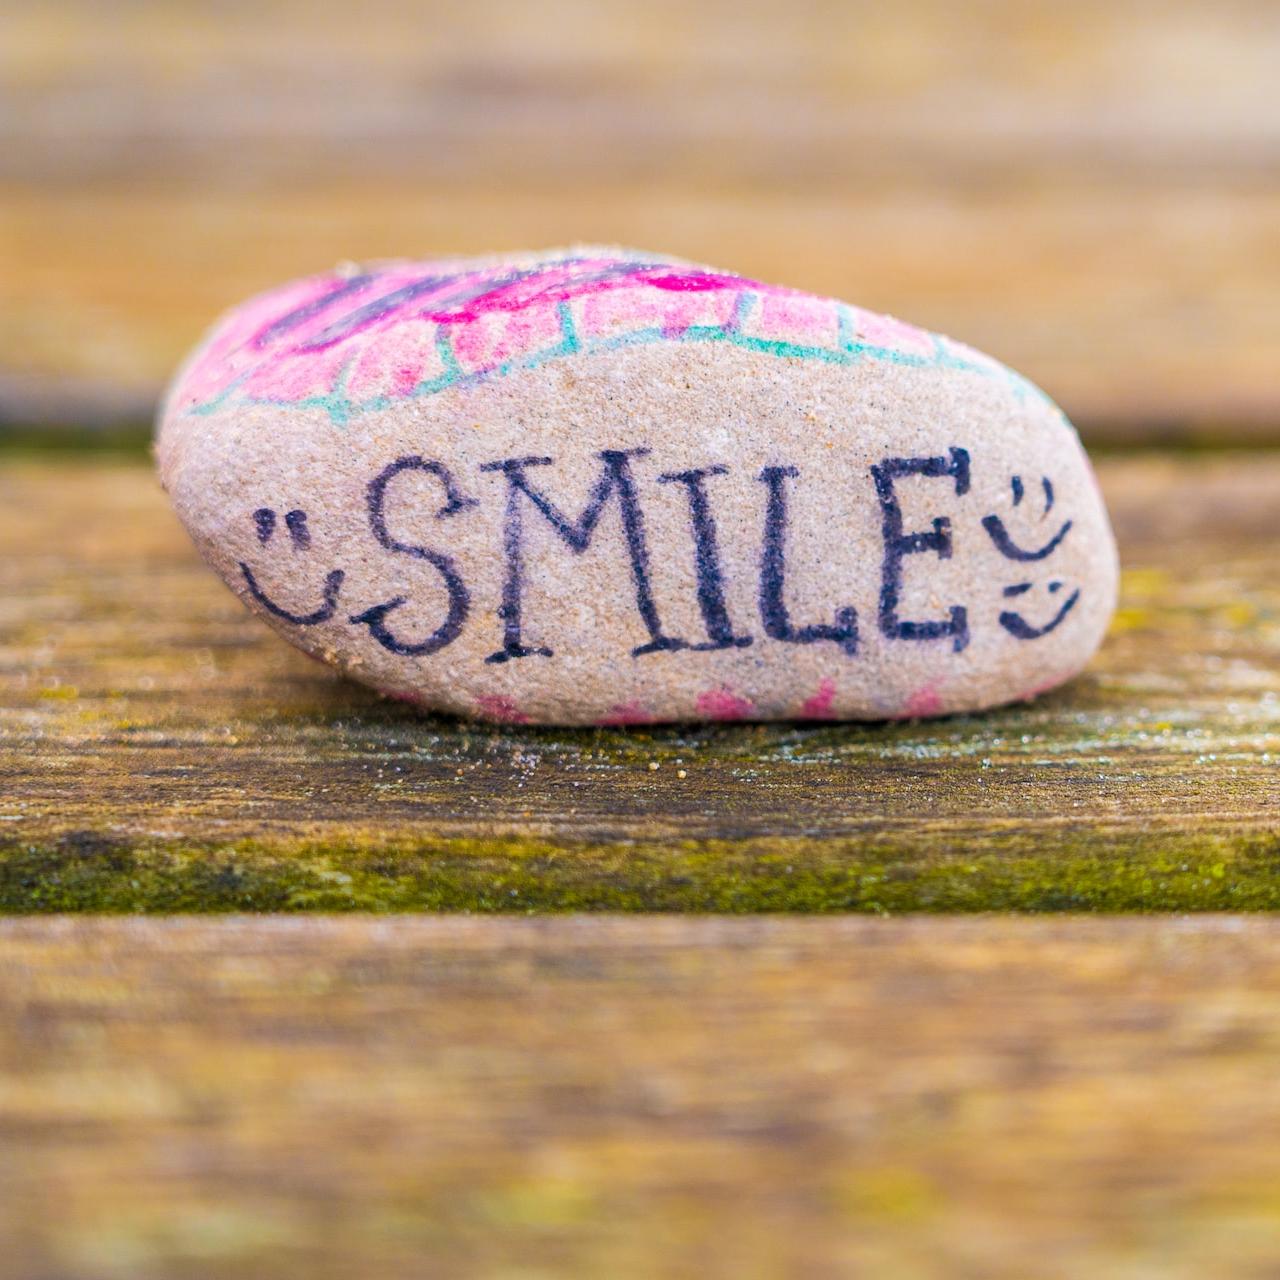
(647, 1098)
(1090, 192)
(162, 750)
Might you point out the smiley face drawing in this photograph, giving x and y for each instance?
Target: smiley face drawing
(264, 519)
(374, 617)
(1012, 621)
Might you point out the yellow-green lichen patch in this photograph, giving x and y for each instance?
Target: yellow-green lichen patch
(951, 869)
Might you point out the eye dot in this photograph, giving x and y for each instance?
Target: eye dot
(298, 531)
(1017, 589)
(265, 521)
(1016, 486)
(1055, 586)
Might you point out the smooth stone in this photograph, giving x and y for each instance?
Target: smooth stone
(592, 486)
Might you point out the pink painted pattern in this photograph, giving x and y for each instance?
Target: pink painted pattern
(821, 705)
(358, 342)
(925, 701)
(723, 704)
(493, 706)
(625, 713)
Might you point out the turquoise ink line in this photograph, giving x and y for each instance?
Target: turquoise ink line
(212, 406)
(845, 330)
(742, 308)
(568, 328)
(444, 346)
(792, 350)
(615, 342)
(335, 402)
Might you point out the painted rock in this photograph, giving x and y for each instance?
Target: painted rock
(598, 486)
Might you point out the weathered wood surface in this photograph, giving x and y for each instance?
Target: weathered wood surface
(1088, 191)
(647, 1098)
(162, 750)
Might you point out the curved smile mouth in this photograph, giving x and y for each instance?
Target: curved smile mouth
(1016, 625)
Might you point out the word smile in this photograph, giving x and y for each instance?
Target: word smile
(616, 485)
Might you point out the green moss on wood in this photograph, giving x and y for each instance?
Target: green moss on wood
(952, 871)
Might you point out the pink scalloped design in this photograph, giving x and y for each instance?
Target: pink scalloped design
(354, 343)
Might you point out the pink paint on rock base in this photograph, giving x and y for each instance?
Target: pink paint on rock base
(723, 704)
(493, 706)
(820, 706)
(625, 713)
(926, 701)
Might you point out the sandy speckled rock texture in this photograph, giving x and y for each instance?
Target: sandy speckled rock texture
(597, 486)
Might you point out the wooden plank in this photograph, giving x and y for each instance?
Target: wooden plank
(568, 88)
(639, 1098)
(161, 750)
(1088, 192)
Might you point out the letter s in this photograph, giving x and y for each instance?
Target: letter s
(459, 599)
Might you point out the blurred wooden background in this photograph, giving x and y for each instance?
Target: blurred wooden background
(1089, 190)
